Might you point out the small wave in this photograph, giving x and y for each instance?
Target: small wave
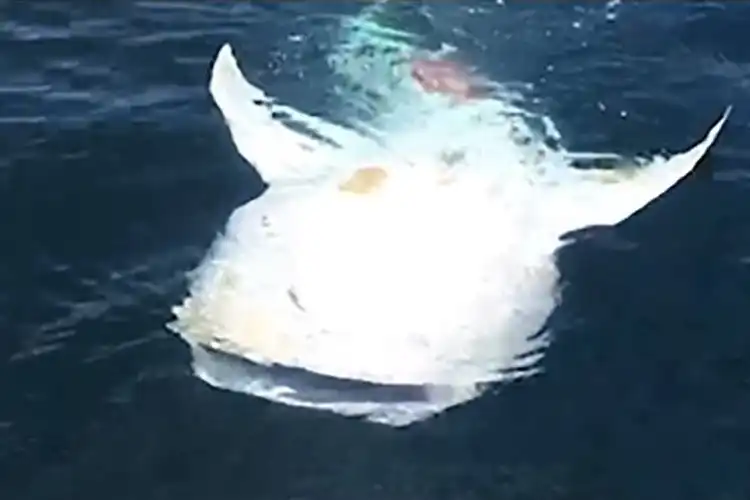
(393, 405)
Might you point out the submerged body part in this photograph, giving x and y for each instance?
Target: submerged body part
(445, 77)
(395, 274)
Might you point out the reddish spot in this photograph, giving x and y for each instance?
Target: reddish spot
(444, 77)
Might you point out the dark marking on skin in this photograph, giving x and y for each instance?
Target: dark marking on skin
(453, 157)
(295, 299)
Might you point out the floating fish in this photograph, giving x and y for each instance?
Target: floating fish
(396, 276)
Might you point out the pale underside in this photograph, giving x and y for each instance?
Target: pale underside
(425, 256)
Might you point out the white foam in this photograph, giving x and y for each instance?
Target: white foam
(443, 277)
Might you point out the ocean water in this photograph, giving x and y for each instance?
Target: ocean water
(116, 173)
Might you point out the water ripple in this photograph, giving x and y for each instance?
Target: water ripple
(116, 173)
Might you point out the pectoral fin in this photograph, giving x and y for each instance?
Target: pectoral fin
(277, 151)
(607, 197)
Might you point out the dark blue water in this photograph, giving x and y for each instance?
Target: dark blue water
(116, 172)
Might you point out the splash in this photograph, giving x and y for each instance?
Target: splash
(399, 265)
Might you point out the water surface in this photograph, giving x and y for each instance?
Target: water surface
(116, 173)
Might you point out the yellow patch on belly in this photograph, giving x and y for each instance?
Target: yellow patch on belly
(364, 180)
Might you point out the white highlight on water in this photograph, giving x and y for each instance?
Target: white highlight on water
(435, 272)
